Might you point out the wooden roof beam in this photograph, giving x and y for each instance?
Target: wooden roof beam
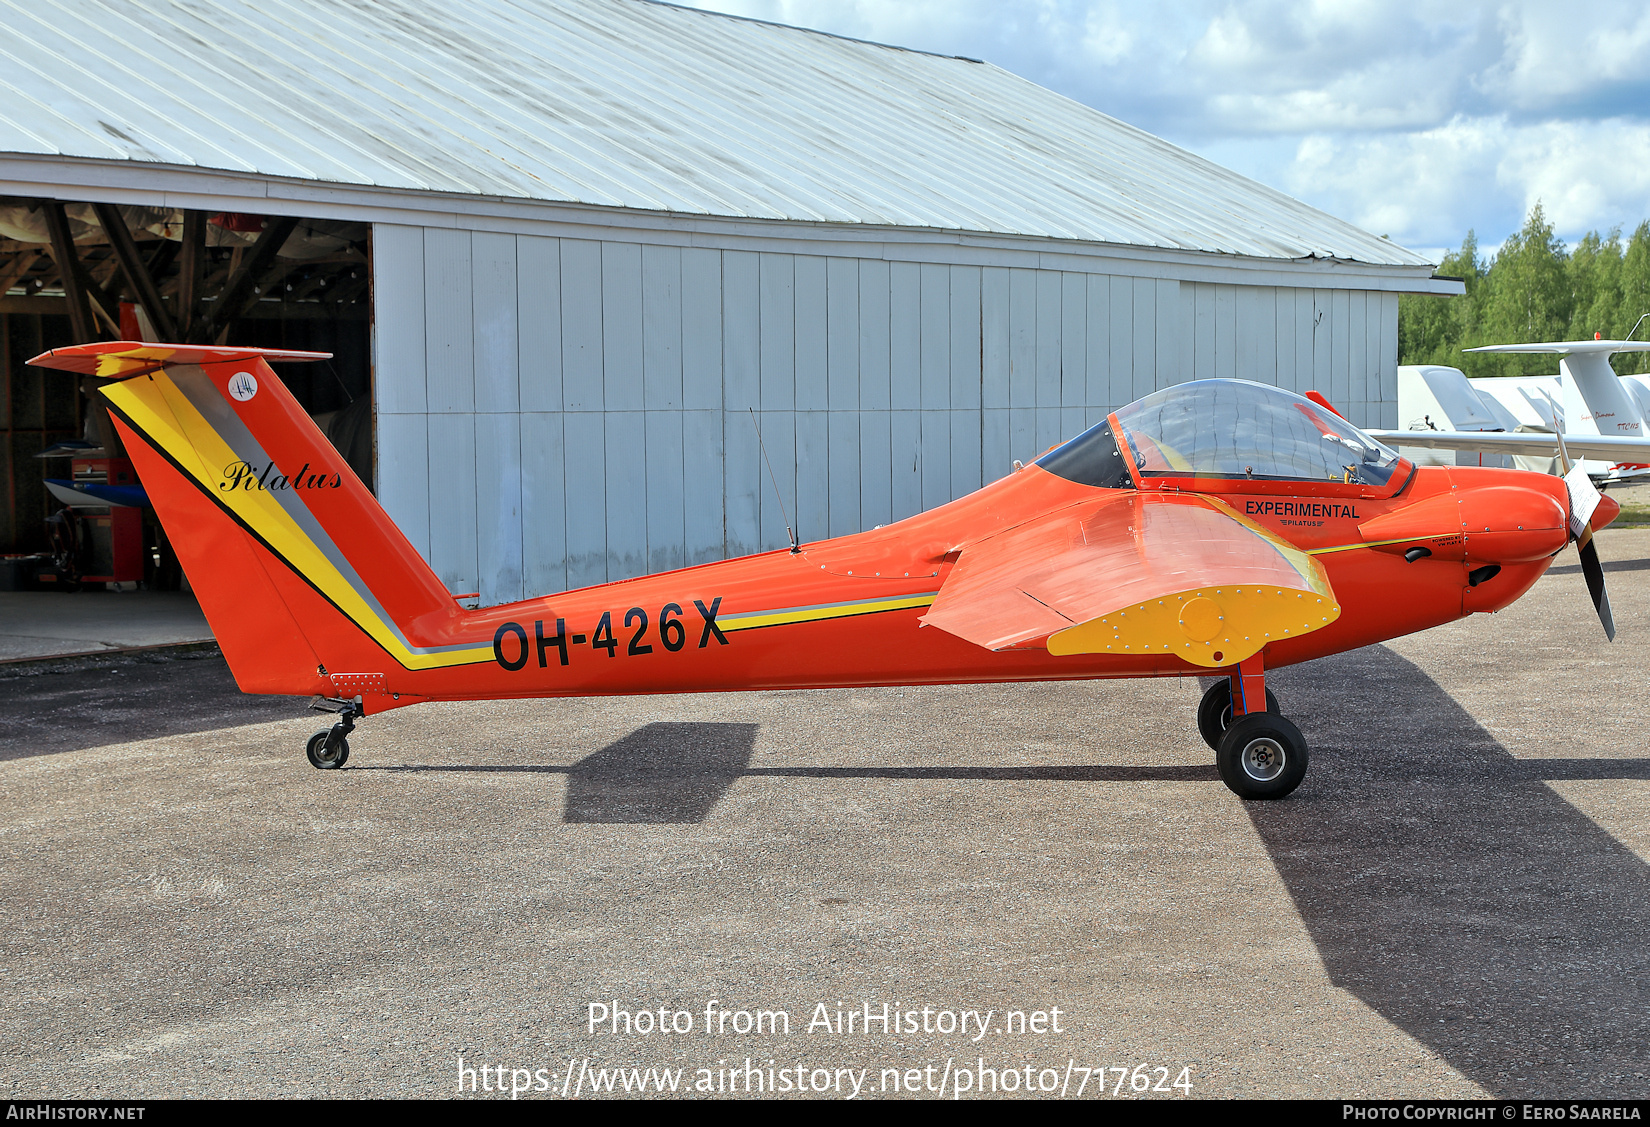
(137, 273)
(191, 266)
(18, 269)
(237, 295)
(63, 253)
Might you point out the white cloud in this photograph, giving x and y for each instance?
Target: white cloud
(1423, 187)
(1575, 54)
(1587, 174)
(1410, 118)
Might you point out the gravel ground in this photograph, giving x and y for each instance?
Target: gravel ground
(1456, 903)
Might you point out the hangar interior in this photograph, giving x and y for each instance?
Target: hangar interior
(178, 275)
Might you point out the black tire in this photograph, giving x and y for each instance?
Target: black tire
(1263, 755)
(1214, 713)
(316, 749)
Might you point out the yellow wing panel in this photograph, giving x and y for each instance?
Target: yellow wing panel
(1209, 626)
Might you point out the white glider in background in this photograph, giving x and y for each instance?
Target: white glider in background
(1600, 397)
(1605, 448)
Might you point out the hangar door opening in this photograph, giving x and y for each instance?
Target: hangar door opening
(75, 272)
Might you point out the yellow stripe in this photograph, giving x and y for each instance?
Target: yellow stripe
(817, 614)
(1364, 544)
(160, 409)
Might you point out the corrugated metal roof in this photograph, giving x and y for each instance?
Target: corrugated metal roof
(622, 103)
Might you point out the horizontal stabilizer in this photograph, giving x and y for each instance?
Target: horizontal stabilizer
(120, 359)
(1568, 347)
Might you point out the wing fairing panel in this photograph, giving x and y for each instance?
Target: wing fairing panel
(1133, 572)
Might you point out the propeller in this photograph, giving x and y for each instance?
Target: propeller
(1584, 498)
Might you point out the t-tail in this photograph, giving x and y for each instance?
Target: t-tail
(302, 575)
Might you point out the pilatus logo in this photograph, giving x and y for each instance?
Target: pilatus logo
(243, 386)
(244, 475)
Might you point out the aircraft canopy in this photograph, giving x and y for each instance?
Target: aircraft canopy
(1236, 429)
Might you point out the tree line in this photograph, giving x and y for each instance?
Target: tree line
(1533, 289)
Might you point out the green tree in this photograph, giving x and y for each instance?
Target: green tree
(1431, 328)
(1532, 289)
(1635, 296)
(1594, 271)
(1526, 296)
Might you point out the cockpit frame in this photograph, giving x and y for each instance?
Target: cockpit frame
(1234, 457)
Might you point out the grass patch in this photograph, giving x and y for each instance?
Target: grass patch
(1635, 504)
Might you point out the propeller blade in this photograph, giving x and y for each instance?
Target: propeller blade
(1594, 571)
(1584, 499)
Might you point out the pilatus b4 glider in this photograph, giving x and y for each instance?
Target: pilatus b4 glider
(1219, 528)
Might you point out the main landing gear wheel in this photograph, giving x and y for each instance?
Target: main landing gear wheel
(323, 757)
(1214, 714)
(1262, 755)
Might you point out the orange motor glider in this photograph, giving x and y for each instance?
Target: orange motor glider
(1219, 527)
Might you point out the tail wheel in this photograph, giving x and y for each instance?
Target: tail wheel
(1214, 714)
(1262, 755)
(323, 758)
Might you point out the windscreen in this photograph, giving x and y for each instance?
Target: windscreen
(1243, 430)
(1092, 458)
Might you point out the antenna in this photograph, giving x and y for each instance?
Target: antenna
(1635, 328)
(342, 386)
(795, 547)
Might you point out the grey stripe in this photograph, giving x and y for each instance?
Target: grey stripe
(198, 388)
(733, 618)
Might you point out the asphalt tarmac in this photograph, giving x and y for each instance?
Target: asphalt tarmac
(1456, 903)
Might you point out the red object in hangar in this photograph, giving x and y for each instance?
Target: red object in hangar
(1215, 527)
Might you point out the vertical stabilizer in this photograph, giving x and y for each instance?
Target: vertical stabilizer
(1614, 411)
(1587, 375)
(298, 568)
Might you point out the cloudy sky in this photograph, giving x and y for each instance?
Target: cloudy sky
(1416, 120)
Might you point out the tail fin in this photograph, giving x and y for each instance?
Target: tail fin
(297, 567)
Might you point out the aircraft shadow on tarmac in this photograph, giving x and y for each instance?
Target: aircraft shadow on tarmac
(676, 772)
(1452, 890)
(1443, 882)
(659, 773)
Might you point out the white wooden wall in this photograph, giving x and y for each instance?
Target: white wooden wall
(559, 412)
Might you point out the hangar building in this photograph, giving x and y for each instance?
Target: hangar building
(579, 249)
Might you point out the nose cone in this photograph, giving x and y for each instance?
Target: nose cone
(1608, 510)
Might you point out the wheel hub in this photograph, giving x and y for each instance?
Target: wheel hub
(1263, 759)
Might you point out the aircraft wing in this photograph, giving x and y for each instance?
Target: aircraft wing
(1604, 448)
(1135, 573)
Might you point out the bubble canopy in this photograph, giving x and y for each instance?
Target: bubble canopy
(1226, 429)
